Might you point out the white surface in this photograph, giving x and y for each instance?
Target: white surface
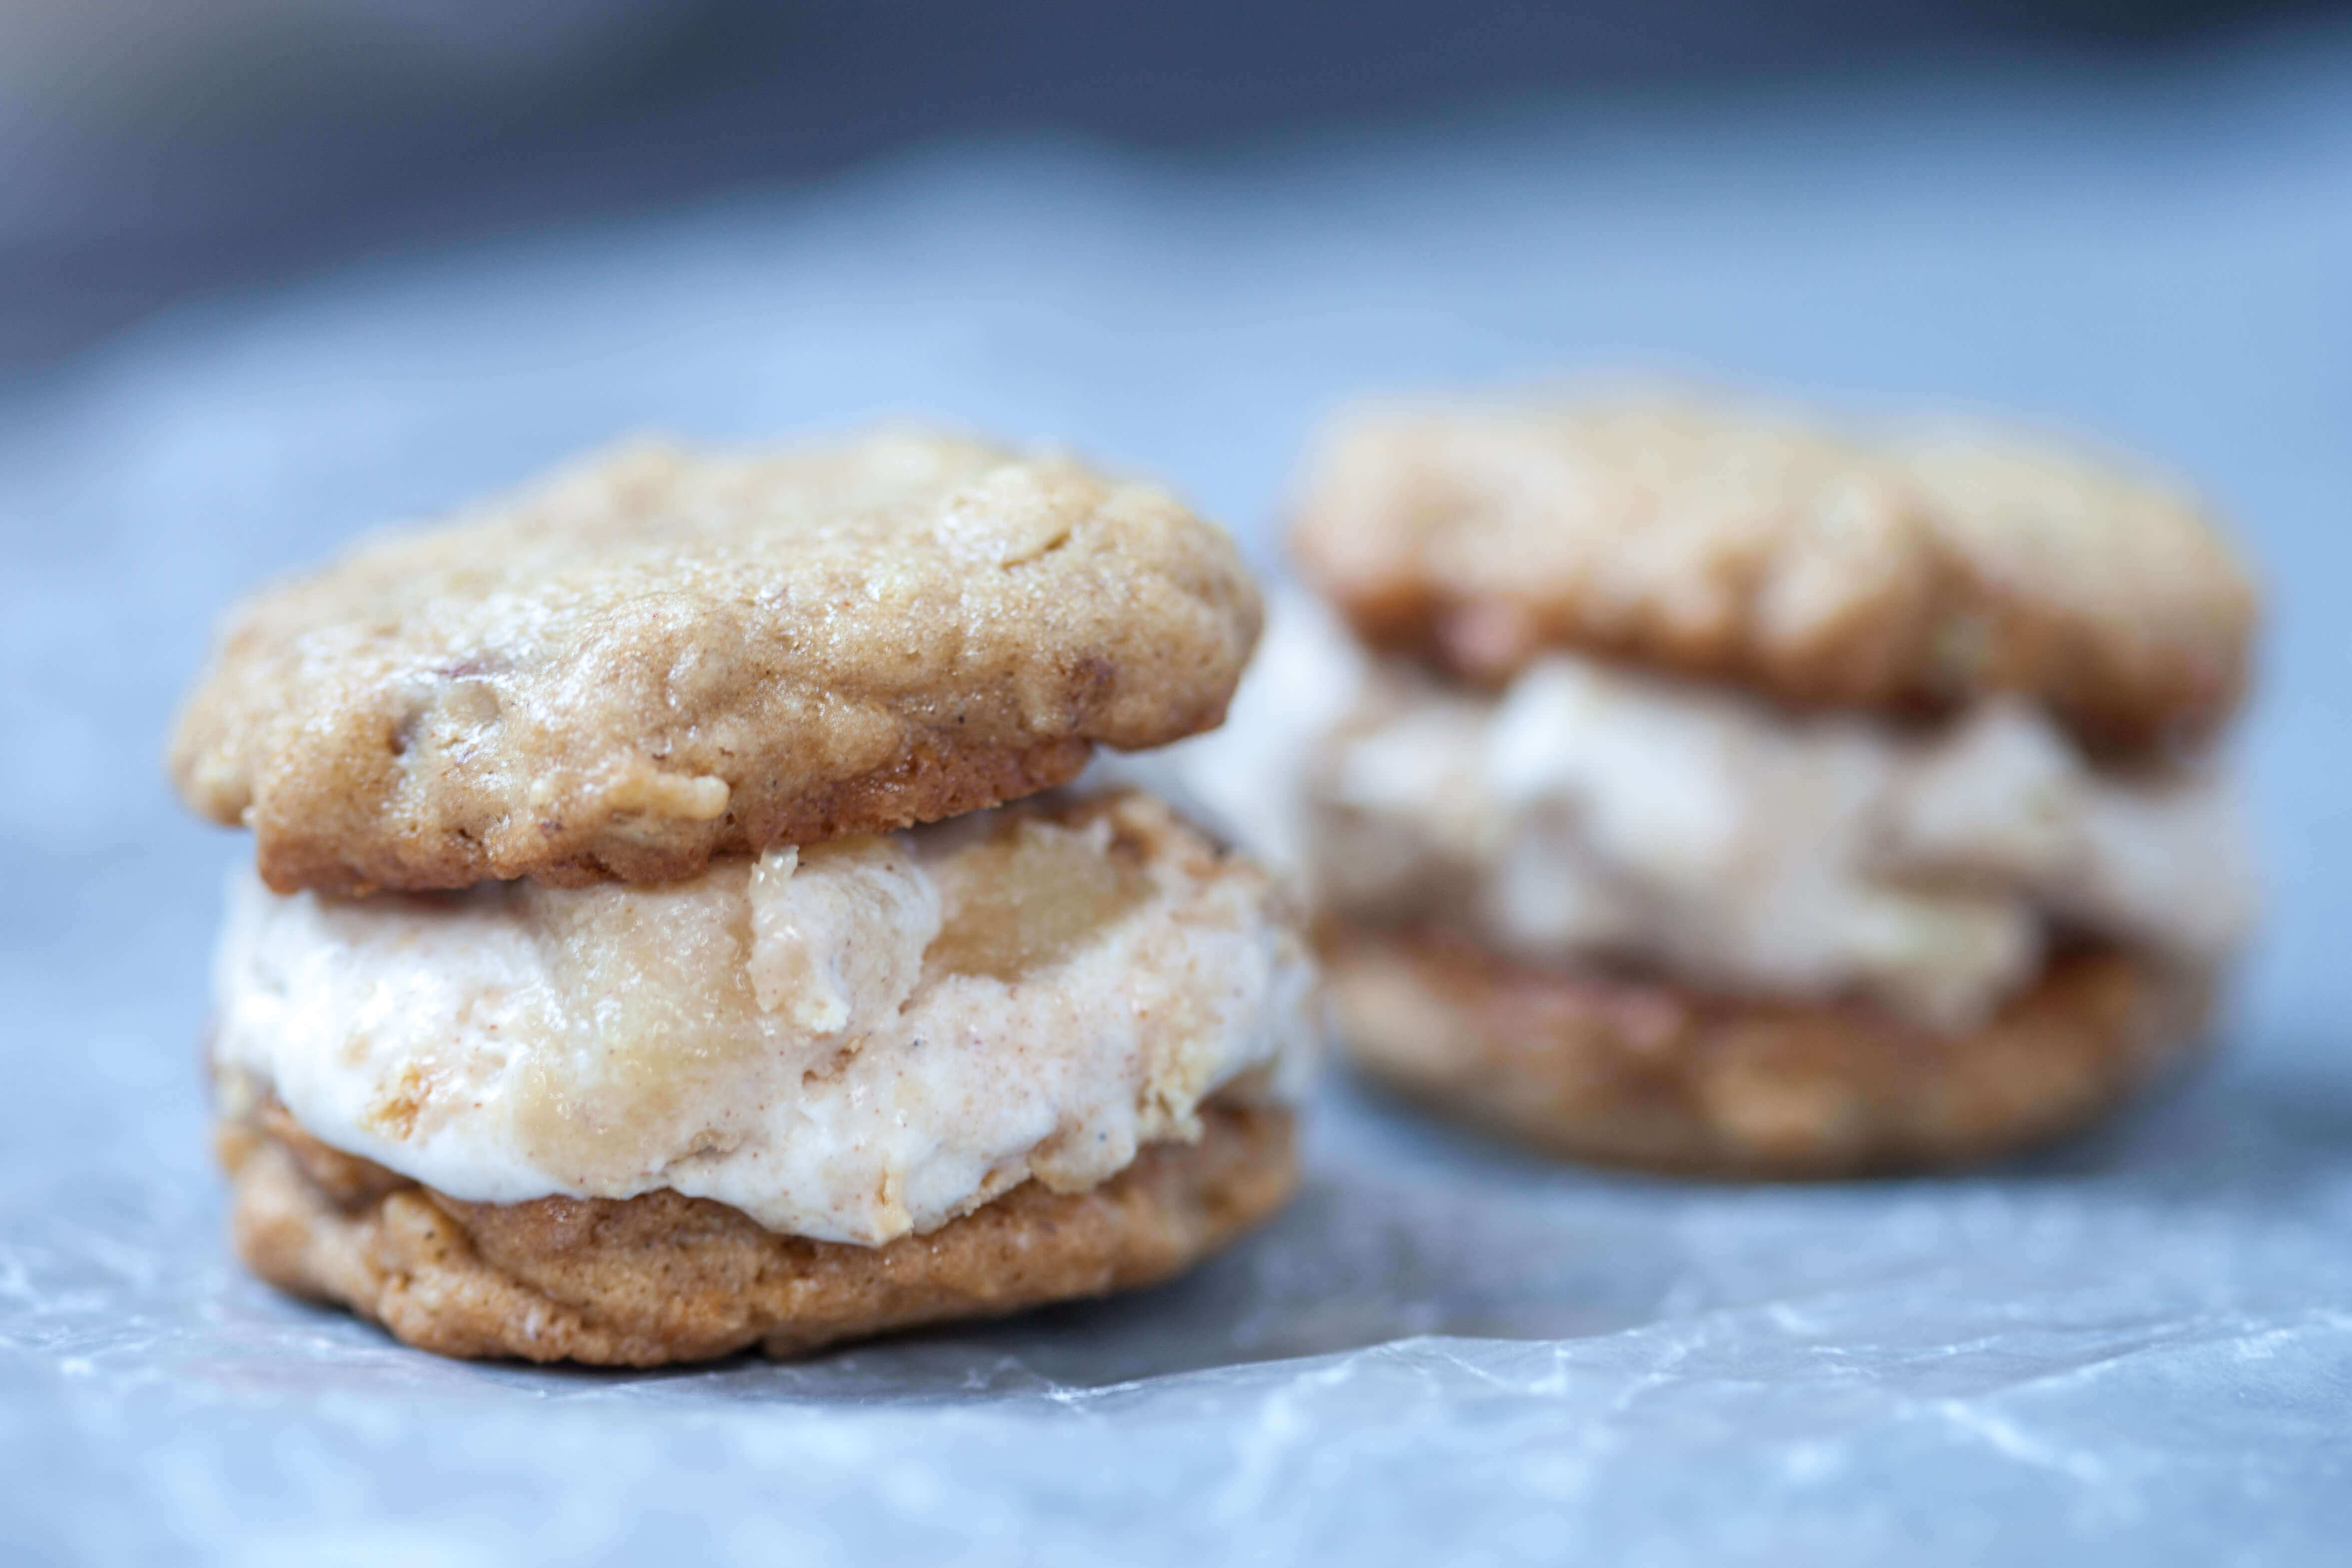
(2137, 1349)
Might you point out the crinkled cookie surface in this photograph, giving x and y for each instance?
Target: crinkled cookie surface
(654, 656)
(1906, 572)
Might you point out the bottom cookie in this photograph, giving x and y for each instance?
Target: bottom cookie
(1649, 1075)
(663, 1277)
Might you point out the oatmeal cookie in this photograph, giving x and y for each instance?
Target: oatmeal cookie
(1908, 571)
(662, 1278)
(656, 656)
(1659, 1077)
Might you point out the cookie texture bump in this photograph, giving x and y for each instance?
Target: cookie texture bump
(656, 656)
(1911, 572)
(662, 1278)
(1653, 1076)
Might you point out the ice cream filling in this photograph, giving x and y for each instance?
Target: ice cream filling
(1588, 813)
(851, 1042)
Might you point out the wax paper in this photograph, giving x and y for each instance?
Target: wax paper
(2136, 1348)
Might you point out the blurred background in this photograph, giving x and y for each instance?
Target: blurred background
(155, 150)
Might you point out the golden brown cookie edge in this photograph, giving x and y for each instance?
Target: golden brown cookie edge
(663, 1278)
(301, 850)
(1651, 1076)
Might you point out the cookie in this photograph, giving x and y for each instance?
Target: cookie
(1907, 572)
(658, 656)
(661, 1278)
(1658, 1077)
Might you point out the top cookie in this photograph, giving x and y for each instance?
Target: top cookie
(654, 656)
(1910, 574)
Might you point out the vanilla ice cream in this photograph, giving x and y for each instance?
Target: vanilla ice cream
(1589, 814)
(852, 1041)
